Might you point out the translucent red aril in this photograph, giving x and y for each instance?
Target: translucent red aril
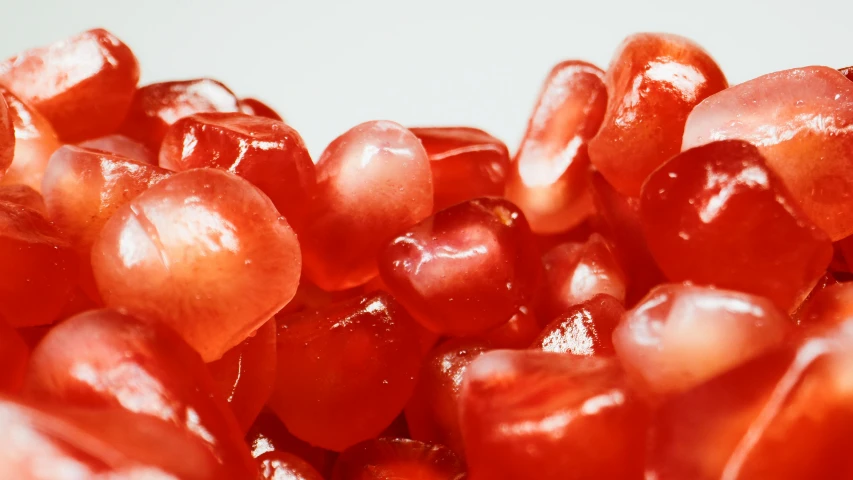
(7, 137)
(104, 359)
(802, 121)
(464, 270)
(345, 371)
(286, 466)
(547, 179)
(785, 415)
(466, 163)
(716, 215)
(245, 375)
(252, 106)
(847, 72)
(265, 152)
(621, 221)
(831, 305)
(584, 329)
(203, 251)
(268, 434)
(653, 82)
(83, 84)
(433, 411)
(35, 141)
(372, 182)
(50, 442)
(37, 267)
(811, 310)
(124, 146)
(561, 416)
(157, 106)
(576, 272)
(14, 354)
(23, 195)
(681, 335)
(391, 458)
(517, 332)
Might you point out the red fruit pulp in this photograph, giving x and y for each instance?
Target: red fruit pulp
(387, 458)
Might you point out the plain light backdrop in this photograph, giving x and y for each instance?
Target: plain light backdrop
(329, 65)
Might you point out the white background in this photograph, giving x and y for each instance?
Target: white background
(328, 65)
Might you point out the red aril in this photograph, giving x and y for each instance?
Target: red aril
(812, 309)
(265, 152)
(105, 359)
(14, 356)
(464, 270)
(268, 434)
(253, 106)
(157, 106)
(345, 371)
(23, 195)
(35, 142)
(54, 442)
(802, 122)
(286, 466)
(832, 305)
(203, 251)
(83, 85)
(372, 182)
(122, 145)
(547, 179)
(516, 333)
(433, 411)
(37, 267)
(576, 272)
(653, 82)
(397, 458)
(583, 329)
(245, 375)
(681, 335)
(466, 163)
(7, 137)
(717, 215)
(545, 415)
(847, 72)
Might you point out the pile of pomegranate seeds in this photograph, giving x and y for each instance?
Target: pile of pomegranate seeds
(657, 285)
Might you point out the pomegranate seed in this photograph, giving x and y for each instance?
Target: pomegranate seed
(265, 152)
(831, 305)
(35, 142)
(433, 411)
(353, 366)
(576, 272)
(653, 83)
(784, 415)
(14, 355)
(123, 146)
(83, 84)
(23, 195)
(387, 458)
(7, 137)
(102, 358)
(516, 333)
(50, 442)
(800, 121)
(466, 269)
(466, 163)
(203, 251)
(812, 309)
(157, 106)
(681, 335)
(268, 434)
(550, 416)
(548, 175)
(372, 182)
(37, 267)
(584, 329)
(286, 466)
(692, 204)
(245, 375)
(252, 106)
(847, 72)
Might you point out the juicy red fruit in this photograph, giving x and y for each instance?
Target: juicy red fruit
(547, 179)
(583, 329)
(203, 251)
(83, 85)
(466, 163)
(653, 82)
(14, 356)
(387, 458)
(35, 142)
(464, 270)
(268, 153)
(253, 106)
(717, 215)
(7, 138)
(346, 371)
